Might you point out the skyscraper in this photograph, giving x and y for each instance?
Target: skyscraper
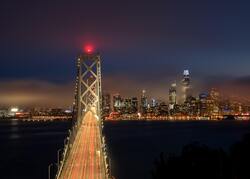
(134, 104)
(106, 104)
(144, 101)
(131, 105)
(186, 88)
(153, 102)
(214, 95)
(203, 104)
(117, 103)
(172, 96)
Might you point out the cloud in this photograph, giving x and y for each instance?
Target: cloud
(36, 93)
(229, 87)
(49, 94)
(156, 88)
(233, 87)
(242, 81)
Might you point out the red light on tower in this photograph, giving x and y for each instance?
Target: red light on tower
(88, 49)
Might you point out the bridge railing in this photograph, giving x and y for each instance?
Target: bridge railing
(106, 159)
(68, 143)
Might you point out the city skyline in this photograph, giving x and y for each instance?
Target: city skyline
(43, 92)
(134, 89)
(144, 45)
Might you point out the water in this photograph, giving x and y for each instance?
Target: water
(134, 145)
(27, 148)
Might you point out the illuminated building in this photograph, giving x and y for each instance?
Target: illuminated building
(186, 88)
(106, 104)
(225, 107)
(117, 103)
(172, 96)
(206, 105)
(22, 115)
(134, 105)
(210, 105)
(162, 109)
(236, 107)
(127, 105)
(245, 108)
(153, 103)
(56, 112)
(3, 113)
(191, 106)
(203, 104)
(12, 111)
(214, 96)
(144, 102)
(153, 106)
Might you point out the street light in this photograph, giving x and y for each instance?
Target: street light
(65, 140)
(69, 132)
(58, 158)
(50, 165)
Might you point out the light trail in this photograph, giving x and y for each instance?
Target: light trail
(84, 160)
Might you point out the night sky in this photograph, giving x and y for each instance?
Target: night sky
(144, 45)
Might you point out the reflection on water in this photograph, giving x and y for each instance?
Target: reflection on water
(14, 129)
(27, 148)
(135, 144)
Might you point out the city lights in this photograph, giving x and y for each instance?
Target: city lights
(14, 109)
(125, 89)
(182, 104)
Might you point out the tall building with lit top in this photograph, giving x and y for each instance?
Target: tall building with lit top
(172, 96)
(186, 88)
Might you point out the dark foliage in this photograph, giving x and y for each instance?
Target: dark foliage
(198, 161)
(240, 158)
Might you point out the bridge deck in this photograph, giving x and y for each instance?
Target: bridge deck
(85, 160)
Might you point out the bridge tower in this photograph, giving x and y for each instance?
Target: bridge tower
(85, 152)
(89, 93)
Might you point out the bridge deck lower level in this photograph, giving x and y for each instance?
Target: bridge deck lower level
(85, 160)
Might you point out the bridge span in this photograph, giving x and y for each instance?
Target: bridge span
(85, 154)
(84, 160)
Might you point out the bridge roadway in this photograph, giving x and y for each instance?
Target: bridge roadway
(85, 160)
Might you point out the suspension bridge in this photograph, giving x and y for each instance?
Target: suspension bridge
(84, 155)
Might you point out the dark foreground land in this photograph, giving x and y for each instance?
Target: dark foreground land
(135, 145)
(200, 161)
